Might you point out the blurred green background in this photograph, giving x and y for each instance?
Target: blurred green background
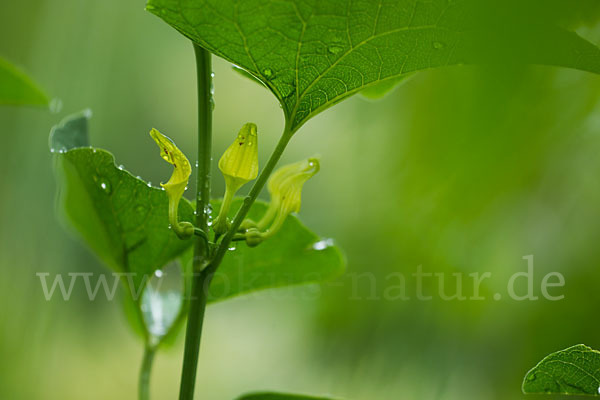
(465, 169)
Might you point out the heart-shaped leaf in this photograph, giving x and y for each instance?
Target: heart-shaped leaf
(121, 217)
(313, 54)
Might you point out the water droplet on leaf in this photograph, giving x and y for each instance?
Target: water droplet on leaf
(322, 244)
(267, 73)
(438, 45)
(105, 185)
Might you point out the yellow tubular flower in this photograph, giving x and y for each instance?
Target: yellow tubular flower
(178, 182)
(275, 181)
(239, 165)
(285, 187)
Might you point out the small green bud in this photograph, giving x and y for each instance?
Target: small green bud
(239, 165)
(253, 237)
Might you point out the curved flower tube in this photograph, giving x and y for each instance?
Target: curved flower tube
(176, 185)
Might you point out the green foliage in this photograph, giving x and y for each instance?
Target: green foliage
(119, 216)
(279, 396)
(313, 54)
(575, 370)
(293, 256)
(17, 89)
(125, 222)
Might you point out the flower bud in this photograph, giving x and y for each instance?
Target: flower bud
(253, 237)
(239, 165)
(176, 185)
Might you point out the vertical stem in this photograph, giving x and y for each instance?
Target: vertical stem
(146, 368)
(201, 279)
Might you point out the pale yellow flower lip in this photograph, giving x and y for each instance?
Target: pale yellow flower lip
(171, 154)
(176, 185)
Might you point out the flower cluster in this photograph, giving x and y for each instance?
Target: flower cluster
(239, 165)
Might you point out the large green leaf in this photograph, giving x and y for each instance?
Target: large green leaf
(279, 396)
(575, 370)
(122, 218)
(17, 89)
(313, 54)
(124, 221)
(293, 256)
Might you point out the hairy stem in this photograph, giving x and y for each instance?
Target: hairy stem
(145, 370)
(201, 279)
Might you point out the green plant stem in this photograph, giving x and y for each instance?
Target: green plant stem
(201, 278)
(145, 370)
(249, 200)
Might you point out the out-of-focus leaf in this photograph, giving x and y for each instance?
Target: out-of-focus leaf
(71, 133)
(314, 54)
(279, 396)
(17, 89)
(575, 370)
(382, 89)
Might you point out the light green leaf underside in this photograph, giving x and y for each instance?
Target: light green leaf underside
(575, 370)
(293, 256)
(315, 53)
(17, 89)
(279, 396)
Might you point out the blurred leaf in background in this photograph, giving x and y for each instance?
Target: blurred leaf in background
(17, 89)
